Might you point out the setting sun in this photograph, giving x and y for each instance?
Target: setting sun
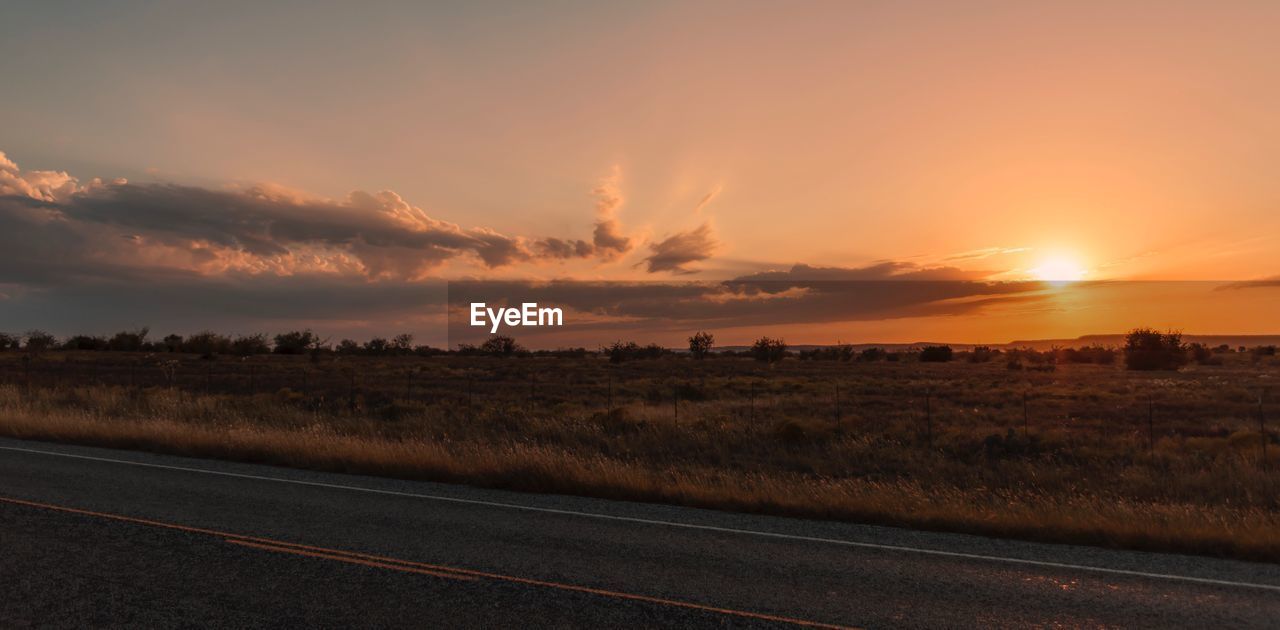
(1059, 269)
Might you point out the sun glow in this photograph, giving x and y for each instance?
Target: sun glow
(1059, 269)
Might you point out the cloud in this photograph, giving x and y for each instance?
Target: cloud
(806, 275)
(267, 228)
(988, 252)
(608, 239)
(676, 251)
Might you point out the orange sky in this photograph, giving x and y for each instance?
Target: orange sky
(655, 142)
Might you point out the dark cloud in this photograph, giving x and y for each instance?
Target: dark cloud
(676, 251)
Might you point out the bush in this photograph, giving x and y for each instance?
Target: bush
(1089, 354)
(841, 352)
(501, 346)
(871, 355)
(1203, 355)
(39, 341)
(700, 344)
(982, 354)
(1149, 349)
(246, 345)
(936, 354)
(296, 342)
(402, 344)
(769, 350)
(81, 342)
(9, 342)
(207, 343)
(129, 341)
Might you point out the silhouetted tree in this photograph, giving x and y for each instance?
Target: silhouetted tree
(295, 342)
(700, 344)
(769, 350)
(1149, 349)
(38, 341)
(936, 354)
(84, 342)
(500, 346)
(172, 343)
(402, 343)
(129, 340)
(246, 345)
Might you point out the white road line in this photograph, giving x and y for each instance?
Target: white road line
(646, 521)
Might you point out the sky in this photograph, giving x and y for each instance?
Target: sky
(249, 166)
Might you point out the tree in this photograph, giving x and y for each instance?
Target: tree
(245, 345)
(1149, 349)
(500, 346)
(936, 354)
(81, 342)
(10, 342)
(207, 343)
(700, 344)
(348, 347)
(377, 345)
(402, 343)
(38, 341)
(129, 340)
(769, 350)
(173, 343)
(295, 342)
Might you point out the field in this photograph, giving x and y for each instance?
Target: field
(1082, 453)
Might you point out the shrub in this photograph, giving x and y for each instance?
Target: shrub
(1088, 354)
(769, 350)
(81, 342)
(936, 354)
(402, 343)
(1149, 349)
(129, 341)
(348, 347)
(871, 355)
(9, 342)
(1203, 355)
(982, 354)
(700, 344)
(172, 343)
(246, 345)
(295, 342)
(39, 341)
(841, 352)
(501, 346)
(207, 343)
(620, 351)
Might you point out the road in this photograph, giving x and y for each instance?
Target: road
(97, 537)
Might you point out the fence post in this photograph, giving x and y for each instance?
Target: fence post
(609, 410)
(675, 402)
(469, 398)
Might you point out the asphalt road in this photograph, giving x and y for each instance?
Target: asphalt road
(95, 537)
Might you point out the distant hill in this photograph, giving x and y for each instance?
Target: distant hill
(1046, 344)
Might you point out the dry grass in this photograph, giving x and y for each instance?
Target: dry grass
(1074, 477)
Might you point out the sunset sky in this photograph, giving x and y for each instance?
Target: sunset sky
(191, 165)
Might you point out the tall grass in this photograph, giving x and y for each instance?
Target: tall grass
(1199, 488)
